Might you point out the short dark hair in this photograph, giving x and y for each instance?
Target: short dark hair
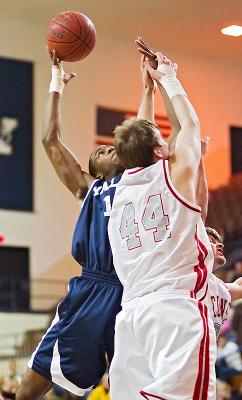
(212, 232)
(134, 142)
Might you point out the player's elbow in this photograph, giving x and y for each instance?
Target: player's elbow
(49, 138)
(192, 123)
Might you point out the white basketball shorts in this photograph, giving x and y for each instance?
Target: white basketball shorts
(165, 348)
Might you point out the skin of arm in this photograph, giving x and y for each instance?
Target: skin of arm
(149, 54)
(187, 152)
(186, 157)
(64, 162)
(201, 183)
(146, 108)
(235, 289)
(175, 125)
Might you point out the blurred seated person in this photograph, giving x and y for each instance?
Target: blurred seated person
(228, 362)
(223, 391)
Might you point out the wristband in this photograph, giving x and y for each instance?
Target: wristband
(57, 84)
(167, 69)
(172, 86)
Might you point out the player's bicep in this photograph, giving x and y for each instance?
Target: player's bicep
(186, 161)
(68, 168)
(188, 143)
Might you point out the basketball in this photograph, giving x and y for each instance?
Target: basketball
(72, 35)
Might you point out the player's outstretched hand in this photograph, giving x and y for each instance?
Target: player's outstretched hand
(165, 67)
(57, 64)
(147, 52)
(148, 82)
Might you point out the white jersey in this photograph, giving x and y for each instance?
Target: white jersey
(218, 301)
(157, 237)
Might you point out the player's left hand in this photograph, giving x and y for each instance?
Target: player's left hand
(146, 51)
(148, 82)
(165, 67)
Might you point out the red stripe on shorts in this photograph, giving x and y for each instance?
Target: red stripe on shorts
(201, 386)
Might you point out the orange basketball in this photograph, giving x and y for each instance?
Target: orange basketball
(72, 35)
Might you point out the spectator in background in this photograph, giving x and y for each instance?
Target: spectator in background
(223, 391)
(228, 362)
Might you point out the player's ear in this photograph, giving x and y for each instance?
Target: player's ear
(157, 153)
(99, 176)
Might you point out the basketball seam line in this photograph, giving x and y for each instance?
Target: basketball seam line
(81, 31)
(77, 37)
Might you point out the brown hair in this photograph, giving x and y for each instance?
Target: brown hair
(212, 232)
(134, 142)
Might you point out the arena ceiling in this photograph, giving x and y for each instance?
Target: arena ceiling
(190, 25)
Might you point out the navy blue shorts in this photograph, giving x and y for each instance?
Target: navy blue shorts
(73, 351)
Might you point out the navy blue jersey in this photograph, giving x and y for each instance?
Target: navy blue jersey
(90, 244)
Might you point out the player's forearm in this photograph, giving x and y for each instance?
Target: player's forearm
(146, 108)
(175, 125)
(52, 119)
(186, 114)
(189, 135)
(202, 190)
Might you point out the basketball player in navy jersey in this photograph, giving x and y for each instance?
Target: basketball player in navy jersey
(73, 351)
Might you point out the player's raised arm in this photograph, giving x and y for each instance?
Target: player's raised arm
(201, 182)
(146, 108)
(187, 151)
(149, 54)
(65, 163)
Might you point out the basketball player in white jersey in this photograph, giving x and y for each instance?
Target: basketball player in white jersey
(219, 294)
(163, 258)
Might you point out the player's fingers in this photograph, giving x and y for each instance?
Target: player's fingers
(159, 56)
(50, 53)
(144, 43)
(145, 47)
(166, 60)
(72, 75)
(175, 66)
(146, 54)
(142, 61)
(54, 57)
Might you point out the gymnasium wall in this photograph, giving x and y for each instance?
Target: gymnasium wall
(109, 77)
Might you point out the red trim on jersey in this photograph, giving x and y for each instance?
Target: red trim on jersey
(205, 294)
(176, 195)
(200, 268)
(136, 170)
(154, 396)
(201, 386)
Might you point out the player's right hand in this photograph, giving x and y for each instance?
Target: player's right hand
(147, 52)
(165, 67)
(57, 64)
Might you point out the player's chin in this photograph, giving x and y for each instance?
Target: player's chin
(220, 261)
